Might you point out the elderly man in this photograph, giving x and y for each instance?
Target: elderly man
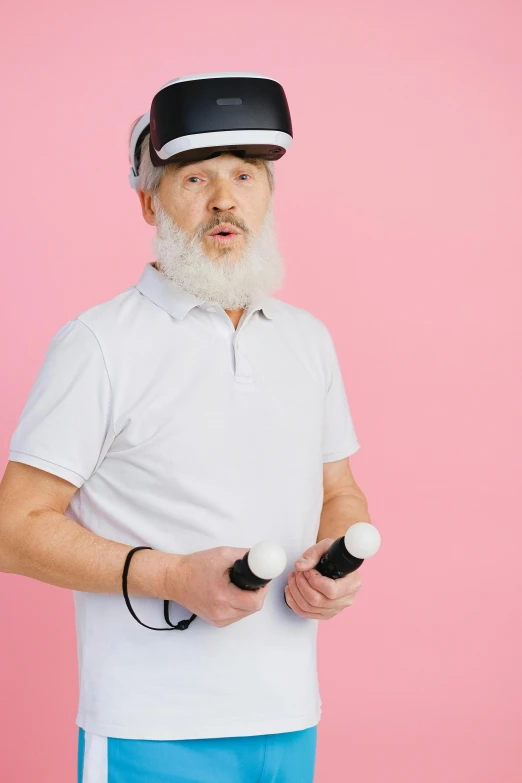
(194, 414)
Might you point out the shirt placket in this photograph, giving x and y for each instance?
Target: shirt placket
(241, 367)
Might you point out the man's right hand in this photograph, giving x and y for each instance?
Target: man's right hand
(38, 540)
(201, 583)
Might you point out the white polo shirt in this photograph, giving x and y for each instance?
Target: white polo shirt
(182, 433)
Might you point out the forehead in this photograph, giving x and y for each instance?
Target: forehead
(220, 161)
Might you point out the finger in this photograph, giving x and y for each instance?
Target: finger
(313, 554)
(322, 584)
(247, 600)
(331, 605)
(297, 596)
(240, 610)
(232, 616)
(297, 609)
(313, 598)
(350, 583)
(236, 617)
(334, 588)
(239, 616)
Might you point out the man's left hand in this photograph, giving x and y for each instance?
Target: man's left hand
(315, 596)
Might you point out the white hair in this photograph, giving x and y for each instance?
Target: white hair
(150, 176)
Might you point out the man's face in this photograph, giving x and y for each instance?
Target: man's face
(194, 200)
(226, 189)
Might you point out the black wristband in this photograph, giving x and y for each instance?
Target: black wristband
(182, 623)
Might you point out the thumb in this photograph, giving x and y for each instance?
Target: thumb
(313, 554)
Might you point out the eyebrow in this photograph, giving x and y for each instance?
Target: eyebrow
(256, 162)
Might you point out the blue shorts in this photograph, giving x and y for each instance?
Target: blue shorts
(287, 757)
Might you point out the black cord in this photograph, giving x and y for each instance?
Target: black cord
(181, 626)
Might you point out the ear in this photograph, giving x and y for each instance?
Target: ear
(147, 207)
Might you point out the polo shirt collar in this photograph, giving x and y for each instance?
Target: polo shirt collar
(177, 302)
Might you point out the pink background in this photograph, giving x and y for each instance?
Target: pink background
(399, 215)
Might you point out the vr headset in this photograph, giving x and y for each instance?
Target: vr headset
(201, 116)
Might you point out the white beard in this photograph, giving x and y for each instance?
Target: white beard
(231, 284)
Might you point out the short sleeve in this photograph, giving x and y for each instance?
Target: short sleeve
(67, 417)
(339, 436)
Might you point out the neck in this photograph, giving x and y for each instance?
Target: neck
(234, 316)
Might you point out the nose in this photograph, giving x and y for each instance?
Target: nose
(222, 199)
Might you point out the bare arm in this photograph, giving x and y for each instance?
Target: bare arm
(309, 593)
(344, 501)
(39, 541)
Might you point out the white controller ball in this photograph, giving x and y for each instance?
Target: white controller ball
(362, 540)
(267, 559)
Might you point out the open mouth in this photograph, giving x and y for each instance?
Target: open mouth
(224, 233)
(224, 239)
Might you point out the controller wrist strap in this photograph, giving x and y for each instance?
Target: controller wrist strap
(181, 626)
